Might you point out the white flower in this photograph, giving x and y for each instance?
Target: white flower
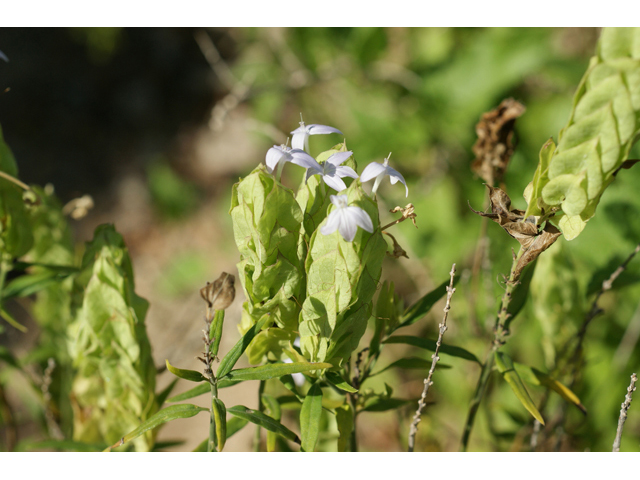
(346, 219)
(301, 134)
(378, 171)
(331, 170)
(282, 153)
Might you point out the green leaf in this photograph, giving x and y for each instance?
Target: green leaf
(536, 377)
(264, 421)
(274, 370)
(431, 346)
(419, 309)
(344, 420)
(201, 390)
(190, 375)
(28, 284)
(384, 404)
(234, 425)
(336, 380)
(12, 321)
(506, 368)
(215, 333)
(272, 408)
(163, 416)
(415, 363)
(310, 414)
(230, 359)
(520, 293)
(220, 418)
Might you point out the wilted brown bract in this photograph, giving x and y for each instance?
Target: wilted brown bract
(525, 230)
(494, 146)
(220, 294)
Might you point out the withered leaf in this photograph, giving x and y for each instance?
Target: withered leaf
(220, 294)
(398, 251)
(495, 145)
(526, 230)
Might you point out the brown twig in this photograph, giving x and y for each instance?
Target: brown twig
(428, 382)
(623, 412)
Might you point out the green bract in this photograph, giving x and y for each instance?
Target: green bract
(602, 128)
(113, 389)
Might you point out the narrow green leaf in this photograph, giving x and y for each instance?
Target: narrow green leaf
(506, 368)
(419, 309)
(162, 396)
(344, 420)
(201, 390)
(536, 377)
(234, 425)
(310, 418)
(230, 359)
(336, 380)
(27, 284)
(272, 408)
(264, 421)
(385, 404)
(431, 346)
(220, 417)
(274, 370)
(12, 321)
(215, 333)
(520, 293)
(160, 446)
(415, 363)
(190, 375)
(173, 412)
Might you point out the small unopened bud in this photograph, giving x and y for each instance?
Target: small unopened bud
(220, 294)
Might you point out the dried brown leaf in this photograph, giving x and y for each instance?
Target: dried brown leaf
(526, 230)
(220, 294)
(495, 145)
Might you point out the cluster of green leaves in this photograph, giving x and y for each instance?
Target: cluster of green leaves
(603, 126)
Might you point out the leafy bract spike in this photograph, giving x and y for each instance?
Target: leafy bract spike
(602, 128)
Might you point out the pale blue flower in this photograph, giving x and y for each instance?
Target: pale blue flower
(346, 219)
(331, 170)
(4, 57)
(301, 134)
(282, 154)
(379, 171)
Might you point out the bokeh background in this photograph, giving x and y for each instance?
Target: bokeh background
(156, 125)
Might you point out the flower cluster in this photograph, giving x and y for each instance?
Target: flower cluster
(343, 218)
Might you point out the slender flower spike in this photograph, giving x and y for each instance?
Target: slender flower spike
(346, 219)
(378, 171)
(301, 134)
(331, 170)
(282, 153)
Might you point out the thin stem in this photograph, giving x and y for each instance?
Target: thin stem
(500, 333)
(256, 438)
(428, 382)
(13, 179)
(623, 412)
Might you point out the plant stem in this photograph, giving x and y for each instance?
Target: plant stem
(256, 438)
(499, 336)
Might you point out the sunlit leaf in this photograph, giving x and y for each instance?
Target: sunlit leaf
(264, 421)
(190, 375)
(341, 383)
(230, 359)
(310, 418)
(344, 420)
(506, 368)
(220, 417)
(274, 370)
(163, 416)
(431, 346)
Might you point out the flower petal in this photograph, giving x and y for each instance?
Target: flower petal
(347, 226)
(315, 129)
(343, 171)
(334, 182)
(337, 158)
(371, 171)
(394, 176)
(303, 159)
(299, 139)
(359, 217)
(333, 222)
(274, 154)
